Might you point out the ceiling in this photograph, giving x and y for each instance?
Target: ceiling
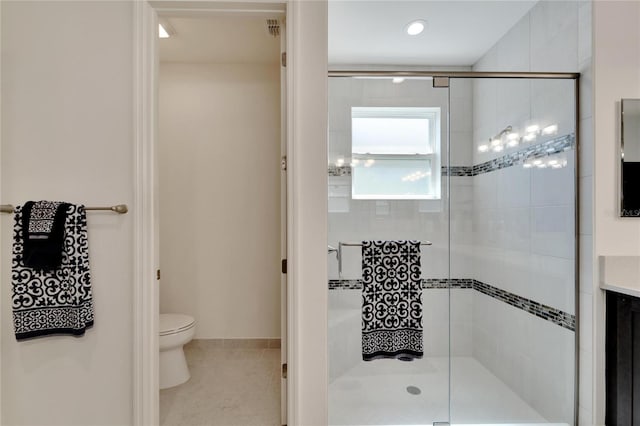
(457, 32)
(219, 39)
(361, 32)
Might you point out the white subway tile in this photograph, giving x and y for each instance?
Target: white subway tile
(586, 204)
(461, 119)
(586, 264)
(550, 187)
(552, 231)
(461, 147)
(586, 89)
(584, 31)
(552, 282)
(586, 147)
(586, 387)
(513, 47)
(513, 187)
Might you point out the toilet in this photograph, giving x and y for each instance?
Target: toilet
(176, 330)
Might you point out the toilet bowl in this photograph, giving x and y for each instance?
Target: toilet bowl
(176, 330)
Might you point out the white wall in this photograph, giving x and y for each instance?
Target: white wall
(616, 50)
(67, 135)
(219, 161)
(308, 207)
(67, 95)
(524, 219)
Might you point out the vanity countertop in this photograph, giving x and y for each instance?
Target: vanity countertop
(620, 274)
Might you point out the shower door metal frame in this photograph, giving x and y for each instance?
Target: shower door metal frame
(515, 75)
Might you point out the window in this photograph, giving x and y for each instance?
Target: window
(395, 153)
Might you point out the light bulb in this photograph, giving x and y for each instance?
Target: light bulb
(162, 33)
(415, 27)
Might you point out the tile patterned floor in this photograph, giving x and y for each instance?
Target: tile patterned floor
(228, 386)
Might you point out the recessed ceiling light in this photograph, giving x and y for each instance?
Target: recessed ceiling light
(415, 27)
(162, 33)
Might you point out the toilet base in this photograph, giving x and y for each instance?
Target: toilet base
(173, 368)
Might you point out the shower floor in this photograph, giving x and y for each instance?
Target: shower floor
(375, 393)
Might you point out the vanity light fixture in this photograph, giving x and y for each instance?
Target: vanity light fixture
(496, 142)
(550, 130)
(513, 135)
(556, 160)
(415, 27)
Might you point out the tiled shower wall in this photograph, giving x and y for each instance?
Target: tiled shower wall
(524, 218)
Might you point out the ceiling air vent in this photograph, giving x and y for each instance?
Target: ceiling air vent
(273, 27)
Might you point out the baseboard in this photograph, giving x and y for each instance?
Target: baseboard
(237, 343)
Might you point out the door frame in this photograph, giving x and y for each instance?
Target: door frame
(146, 255)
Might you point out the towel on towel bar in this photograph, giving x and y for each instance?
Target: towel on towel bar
(53, 301)
(43, 233)
(391, 300)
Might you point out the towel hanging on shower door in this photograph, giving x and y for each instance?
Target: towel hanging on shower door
(391, 300)
(51, 292)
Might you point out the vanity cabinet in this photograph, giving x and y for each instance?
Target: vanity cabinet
(622, 360)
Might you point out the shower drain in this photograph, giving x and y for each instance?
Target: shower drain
(414, 390)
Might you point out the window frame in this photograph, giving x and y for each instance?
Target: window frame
(434, 116)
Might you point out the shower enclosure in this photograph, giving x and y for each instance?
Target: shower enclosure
(482, 166)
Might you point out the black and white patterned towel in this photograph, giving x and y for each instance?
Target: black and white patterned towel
(391, 300)
(53, 301)
(43, 233)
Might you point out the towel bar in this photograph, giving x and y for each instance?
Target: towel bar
(120, 208)
(341, 244)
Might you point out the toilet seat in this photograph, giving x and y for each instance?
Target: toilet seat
(175, 323)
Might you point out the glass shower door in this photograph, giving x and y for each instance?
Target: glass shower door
(387, 181)
(513, 250)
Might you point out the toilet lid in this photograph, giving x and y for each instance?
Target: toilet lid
(174, 323)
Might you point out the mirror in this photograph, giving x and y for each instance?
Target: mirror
(630, 158)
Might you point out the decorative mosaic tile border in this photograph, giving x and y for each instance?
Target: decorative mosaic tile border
(426, 283)
(545, 312)
(556, 316)
(553, 146)
(458, 171)
(339, 170)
